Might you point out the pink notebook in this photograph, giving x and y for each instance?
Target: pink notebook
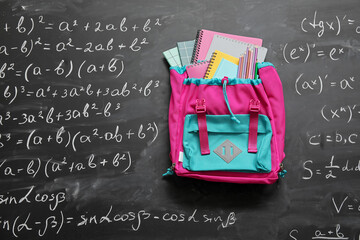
(205, 37)
(197, 70)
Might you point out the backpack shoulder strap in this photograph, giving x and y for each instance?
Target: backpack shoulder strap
(274, 91)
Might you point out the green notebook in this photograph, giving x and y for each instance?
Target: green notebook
(172, 57)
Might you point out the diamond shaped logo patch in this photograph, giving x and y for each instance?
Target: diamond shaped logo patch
(227, 151)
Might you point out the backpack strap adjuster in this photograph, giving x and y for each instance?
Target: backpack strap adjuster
(254, 108)
(200, 110)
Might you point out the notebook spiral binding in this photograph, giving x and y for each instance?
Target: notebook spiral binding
(197, 64)
(198, 40)
(213, 57)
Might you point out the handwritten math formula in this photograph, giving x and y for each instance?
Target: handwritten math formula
(325, 84)
(66, 89)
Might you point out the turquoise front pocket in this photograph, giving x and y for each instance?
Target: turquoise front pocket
(228, 142)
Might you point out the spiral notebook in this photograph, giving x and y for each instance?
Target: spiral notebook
(205, 37)
(233, 47)
(197, 70)
(219, 67)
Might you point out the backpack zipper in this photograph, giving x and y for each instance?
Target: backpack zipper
(282, 171)
(170, 170)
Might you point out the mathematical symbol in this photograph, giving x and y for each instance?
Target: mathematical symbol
(121, 46)
(350, 207)
(156, 217)
(49, 28)
(37, 223)
(68, 219)
(129, 133)
(332, 84)
(134, 27)
(99, 113)
(103, 162)
(47, 49)
(318, 172)
(47, 44)
(20, 141)
(334, 114)
(320, 53)
(48, 69)
(351, 22)
(330, 25)
(14, 48)
(79, 49)
(330, 232)
(314, 82)
(49, 138)
(14, 119)
(20, 169)
(86, 27)
(6, 28)
(102, 67)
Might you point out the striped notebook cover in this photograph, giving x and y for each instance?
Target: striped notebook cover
(215, 62)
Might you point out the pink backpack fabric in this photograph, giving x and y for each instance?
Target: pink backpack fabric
(227, 130)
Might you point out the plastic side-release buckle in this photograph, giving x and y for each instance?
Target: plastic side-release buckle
(200, 106)
(254, 105)
(200, 109)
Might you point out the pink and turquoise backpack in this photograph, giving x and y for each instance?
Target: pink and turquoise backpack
(227, 130)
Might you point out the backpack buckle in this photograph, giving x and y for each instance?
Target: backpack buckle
(254, 105)
(200, 106)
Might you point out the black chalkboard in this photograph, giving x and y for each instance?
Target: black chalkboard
(84, 94)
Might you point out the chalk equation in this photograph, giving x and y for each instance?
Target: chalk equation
(335, 138)
(317, 85)
(295, 52)
(132, 220)
(55, 167)
(331, 168)
(28, 26)
(331, 233)
(344, 113)
(334, 25)
(346, 203)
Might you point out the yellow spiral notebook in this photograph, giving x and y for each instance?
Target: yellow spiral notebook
(216, 62)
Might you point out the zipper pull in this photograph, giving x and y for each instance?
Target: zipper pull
(170, 170)
(282, 171)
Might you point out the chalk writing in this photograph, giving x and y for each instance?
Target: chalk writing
(303, 52)
(133, 220)
(318, 84)
(345, 204)
(330, 171)
(331, 233)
